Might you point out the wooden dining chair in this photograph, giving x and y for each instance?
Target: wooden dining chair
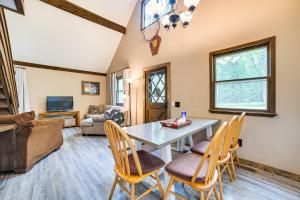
(235, 143)
(224, 157)
(131, 167)
(199, 172)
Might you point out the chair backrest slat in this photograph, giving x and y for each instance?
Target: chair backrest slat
(125, 152)
(120, 144)
(211, 155)
(238, 129)
(112, 137)
(228, 138)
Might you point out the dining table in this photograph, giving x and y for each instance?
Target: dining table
(161, 138)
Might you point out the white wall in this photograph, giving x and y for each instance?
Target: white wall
(48, 35)
(217, 25)
(43, 82)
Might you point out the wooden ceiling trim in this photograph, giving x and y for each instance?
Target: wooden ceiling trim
(41, 66)
(83, 13)
(20, 6)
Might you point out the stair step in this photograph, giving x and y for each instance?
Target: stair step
(4, 112)
(2, 96)
(3, 105)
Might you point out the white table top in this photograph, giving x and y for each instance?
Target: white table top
(156, 135)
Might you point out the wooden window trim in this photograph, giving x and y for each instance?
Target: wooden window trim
(271, 78)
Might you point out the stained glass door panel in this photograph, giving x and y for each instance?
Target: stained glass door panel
(156, 94)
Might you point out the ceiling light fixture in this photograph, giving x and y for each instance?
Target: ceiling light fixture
(174, 17)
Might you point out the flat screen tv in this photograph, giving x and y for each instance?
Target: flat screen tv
(59, 103)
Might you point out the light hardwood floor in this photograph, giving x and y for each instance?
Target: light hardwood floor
(82, 169)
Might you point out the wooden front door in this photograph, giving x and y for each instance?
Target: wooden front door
(157, 93)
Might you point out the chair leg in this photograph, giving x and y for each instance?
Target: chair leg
(237, 159)
(182, 144)
(220, 182)
(191, 141)
(228, 170)
(159, 185)
(232, 165)
(169, 188)
(178, 145)
(202, 195)
(209, 194)
(132, 190)
(216, 193)
(113, 188)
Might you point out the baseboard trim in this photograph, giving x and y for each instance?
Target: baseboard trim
(270, 169)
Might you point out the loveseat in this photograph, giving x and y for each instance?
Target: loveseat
(93, 124)
(33, 140)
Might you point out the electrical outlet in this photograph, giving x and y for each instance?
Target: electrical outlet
(240, 141)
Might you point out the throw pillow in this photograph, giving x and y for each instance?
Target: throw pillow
(23, 117)
(115, 115)
(96, 109)
(16, 119)
(27, 116)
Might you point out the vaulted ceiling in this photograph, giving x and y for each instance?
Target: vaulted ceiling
(48, 35)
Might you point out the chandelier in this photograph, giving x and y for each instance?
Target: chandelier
(174, 17)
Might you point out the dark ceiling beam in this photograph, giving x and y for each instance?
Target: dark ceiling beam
(50, 67)
(83, 13)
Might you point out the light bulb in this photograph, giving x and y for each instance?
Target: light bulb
(191, 4)
(185, 18)
(165, 21)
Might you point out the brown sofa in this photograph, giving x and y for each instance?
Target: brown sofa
(34, 139)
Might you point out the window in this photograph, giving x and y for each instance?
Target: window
(243, 79)
(120, 91)
(157, 87)
(148, 11)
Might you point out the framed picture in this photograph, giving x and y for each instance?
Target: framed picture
(90, 88)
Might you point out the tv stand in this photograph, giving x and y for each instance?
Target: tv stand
(60, 115)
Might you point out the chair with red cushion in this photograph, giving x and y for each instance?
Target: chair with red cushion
(223, 162)
(131, 167)
(199, 172)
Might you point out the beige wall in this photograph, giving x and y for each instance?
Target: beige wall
(43, 82)
(220, 24)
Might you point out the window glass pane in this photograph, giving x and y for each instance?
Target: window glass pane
(242, 95)
(120, 97)
(244, 64)
(120, 84)
(149, 8)
(156, 88)
(120, 91)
